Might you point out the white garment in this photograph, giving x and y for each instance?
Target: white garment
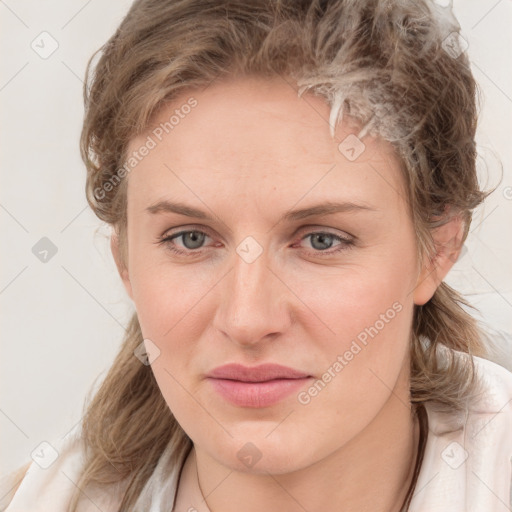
(467, 465)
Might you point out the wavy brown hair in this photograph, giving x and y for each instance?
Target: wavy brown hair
(385, 63)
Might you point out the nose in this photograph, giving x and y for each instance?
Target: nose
(254, 303)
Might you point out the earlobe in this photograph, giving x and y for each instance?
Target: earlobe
(120, 264)
(448, 244)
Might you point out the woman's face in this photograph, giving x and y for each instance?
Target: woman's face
(265, 273)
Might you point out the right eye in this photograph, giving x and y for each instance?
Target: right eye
(191, 240)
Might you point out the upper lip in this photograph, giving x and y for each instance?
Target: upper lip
(261, 373)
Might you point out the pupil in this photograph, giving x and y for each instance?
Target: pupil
(322, 237)
(195, 237)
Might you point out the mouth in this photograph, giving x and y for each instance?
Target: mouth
(257, 394)
(260, 373)
(256, 387)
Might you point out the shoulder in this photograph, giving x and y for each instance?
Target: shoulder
(46, 479)
(496, 380)
(492, 394)
(490, 402)
(49, 480)
(10, 483)
(489, 415)
(467, 460)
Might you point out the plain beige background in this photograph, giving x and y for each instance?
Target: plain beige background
(62, 319)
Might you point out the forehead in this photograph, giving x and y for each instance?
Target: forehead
(256, 139)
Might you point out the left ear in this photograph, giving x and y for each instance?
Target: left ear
(448, 244)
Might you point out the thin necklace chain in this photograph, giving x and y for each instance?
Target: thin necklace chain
(422, 416)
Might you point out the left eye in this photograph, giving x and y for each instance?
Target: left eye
(323, 241)
(193, 240)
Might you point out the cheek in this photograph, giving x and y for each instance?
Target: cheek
(347, 302)
(174, 309)
(358, 323)
(170, 312)
(360, 363)
(169, 298)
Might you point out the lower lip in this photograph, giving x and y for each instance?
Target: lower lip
(257, 394)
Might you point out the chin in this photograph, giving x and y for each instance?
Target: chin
(262, 455)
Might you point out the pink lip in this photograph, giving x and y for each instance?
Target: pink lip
(260, 386)
(261, 373)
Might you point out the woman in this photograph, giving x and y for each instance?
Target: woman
(288, 185)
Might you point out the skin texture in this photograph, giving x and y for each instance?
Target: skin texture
(249, 152)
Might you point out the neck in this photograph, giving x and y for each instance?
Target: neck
(371, 472)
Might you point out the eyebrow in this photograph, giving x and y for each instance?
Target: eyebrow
(327, 208)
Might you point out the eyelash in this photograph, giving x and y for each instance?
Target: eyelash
(345, 244)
